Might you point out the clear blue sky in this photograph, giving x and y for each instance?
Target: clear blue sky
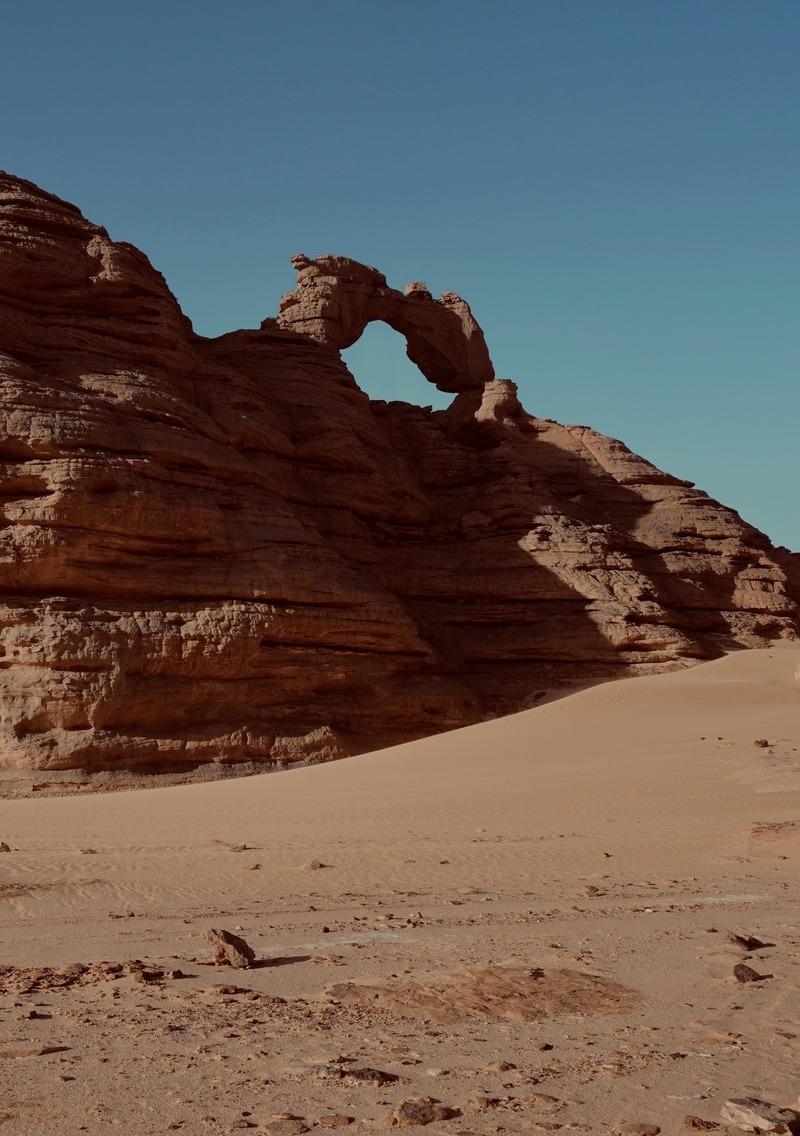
(614, 185)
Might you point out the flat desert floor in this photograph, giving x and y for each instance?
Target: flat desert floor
(524, 925)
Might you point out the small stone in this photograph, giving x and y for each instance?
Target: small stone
(744, 973)
(417, 1111)
(698, 1124)
(230, 950)
(315, 865)
(4, 847)
(762, 743)
(335, 1120)
(499, 1066)
(754, 1115)
(284, 1124)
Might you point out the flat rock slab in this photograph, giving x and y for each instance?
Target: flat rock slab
(744, 973)
(754, 1115)
(31, 1050)
(521, 994)
(746, 942)
(28, 980)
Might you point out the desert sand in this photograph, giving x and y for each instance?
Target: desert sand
(525, 920)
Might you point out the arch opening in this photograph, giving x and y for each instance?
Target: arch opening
(382, 369)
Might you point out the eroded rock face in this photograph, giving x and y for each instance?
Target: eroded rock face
(222, 551)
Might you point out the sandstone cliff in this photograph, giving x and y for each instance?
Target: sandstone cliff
(222, 550)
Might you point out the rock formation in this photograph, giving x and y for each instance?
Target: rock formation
(336, 298)
(220, 550)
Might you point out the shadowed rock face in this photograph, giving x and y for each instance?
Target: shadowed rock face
(221, 550)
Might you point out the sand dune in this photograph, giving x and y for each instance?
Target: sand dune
(614, 835)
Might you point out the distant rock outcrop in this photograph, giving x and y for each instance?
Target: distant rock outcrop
(220, 550)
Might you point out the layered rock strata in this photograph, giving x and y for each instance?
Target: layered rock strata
(220, 550)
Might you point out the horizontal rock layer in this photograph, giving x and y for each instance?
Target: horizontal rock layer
(220, 550)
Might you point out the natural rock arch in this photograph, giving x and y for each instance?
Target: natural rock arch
(336, 298)
(383, 371)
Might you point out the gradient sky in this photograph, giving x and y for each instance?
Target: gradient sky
(613, 185)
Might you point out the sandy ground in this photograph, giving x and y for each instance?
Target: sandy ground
(526, 921)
